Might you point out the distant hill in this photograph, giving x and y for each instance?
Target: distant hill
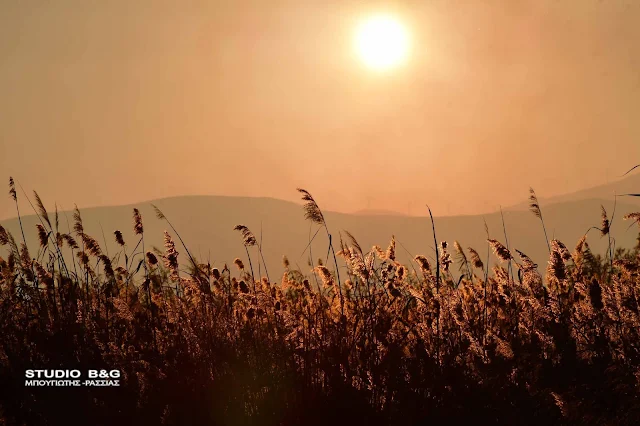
(628, 184)
(378, 212)
(206, 225)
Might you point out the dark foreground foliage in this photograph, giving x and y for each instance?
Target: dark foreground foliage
(447, 340)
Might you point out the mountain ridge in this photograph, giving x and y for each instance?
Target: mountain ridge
(206, 224)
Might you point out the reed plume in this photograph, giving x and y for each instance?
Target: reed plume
(56, 216)
(445, 258)
(152, 259)
(379, 252)
(400, 272)
(604, 222)
(138, 229)
(14, 196)
(527, 263)
(556, 269)
(119, 237)
(71, 242)
(4, 236)
(77, 219)
(314, 214)
(534, 207)
(12, 189)
(171, 255)
(43, 235)
(161, 216)
(311, 209)
(462, 259)
(91, 245)
(239, 264)
(391, 250)
(635, 217)
(423, 263)
(325, 276)
(42, 211)
(82, 256)
(354, 242)
(557, 245)
(475, 259)
(249, 240)
(215, 272)
(500, 250)
(107, 266)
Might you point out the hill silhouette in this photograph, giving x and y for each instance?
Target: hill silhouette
(206, 225)
(626, 185)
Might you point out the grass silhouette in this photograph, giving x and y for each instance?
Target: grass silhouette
(388, 344)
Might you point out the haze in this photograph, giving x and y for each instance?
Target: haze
(118, 102)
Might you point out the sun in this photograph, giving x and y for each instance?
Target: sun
(382, 42)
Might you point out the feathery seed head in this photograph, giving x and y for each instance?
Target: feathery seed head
(152, 259)
(534, 205)
(325, 275)
(391, 250)
(41, 210)
(558, 246)
(119, 238)
(158, 212)
(215, 272)
(400, 272)
(605, 224)
(311, 209)
(171, 255)
(556, 268)
(77, 225)
(423, 262)
(71, 242)
(527, 263)
(634, 217)
(445, 261)
(4, 236)
(379, 252)
(354, 243)
(475, 259)
(84, 259)
(500, 250)
(43, 235)
(12, 189)
(239, 264)
(91, 245)
(138, 229)
(249, 239)
(108, 268)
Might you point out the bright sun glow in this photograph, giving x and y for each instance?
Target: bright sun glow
(382, 42)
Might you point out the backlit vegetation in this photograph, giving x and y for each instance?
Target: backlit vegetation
(462, 334)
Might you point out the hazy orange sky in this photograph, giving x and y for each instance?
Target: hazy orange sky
(114, 102)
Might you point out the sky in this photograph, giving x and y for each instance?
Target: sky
(118, 102)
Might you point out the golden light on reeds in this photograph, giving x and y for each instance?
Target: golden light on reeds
(384, 318)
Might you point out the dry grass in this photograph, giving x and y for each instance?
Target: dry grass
(389, 345)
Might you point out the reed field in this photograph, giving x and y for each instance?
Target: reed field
(479, 335)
